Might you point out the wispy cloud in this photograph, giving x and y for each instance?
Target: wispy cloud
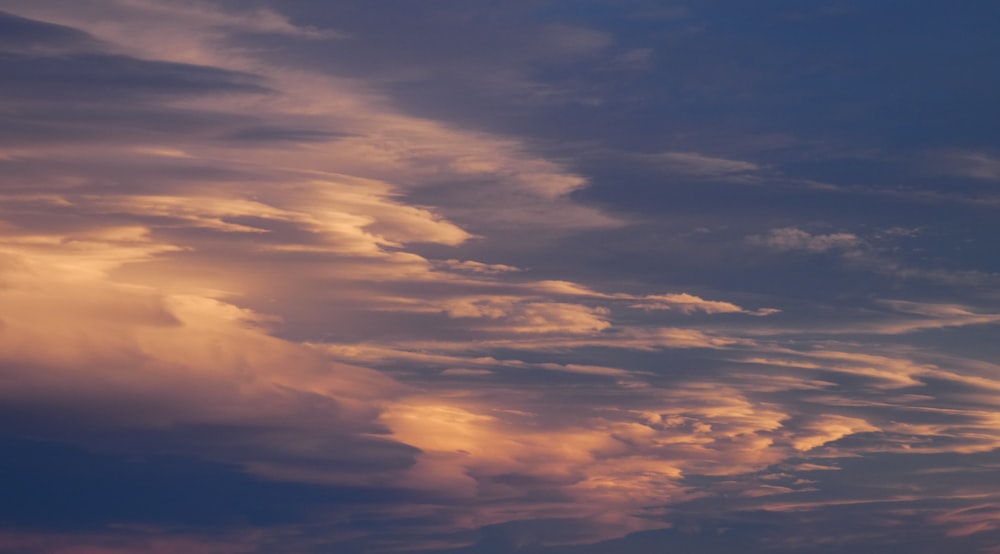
(873, 253)
(699, 165)
(978, 165)
(788, 239)
(688, 303)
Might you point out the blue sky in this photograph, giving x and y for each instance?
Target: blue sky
(486, 277)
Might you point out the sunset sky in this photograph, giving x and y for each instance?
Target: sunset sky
(499, 276)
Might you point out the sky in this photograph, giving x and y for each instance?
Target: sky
(487, 277)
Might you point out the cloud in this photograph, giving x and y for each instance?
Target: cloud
(621, 460)
(706, 167)
(109, 78)
(478, 267)
(954, 277)
(180, 358)
(144, 540)
(20, 34)
(164, 257)
(828, 429)
(202, 19)
(978, 165)
(517, 316)
(636, 58)
(925, 315)
(282, 134)
(884, 371)
(871, 254)
(790, 239)
(969, 520)
(688, 303)
(465, 371)
(229, 260)
(372, 139)
(562, 38)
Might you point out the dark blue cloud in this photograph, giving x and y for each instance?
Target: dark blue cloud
(58, 487)
(65, 86)
(109, 78)
(20, 33)
(282, 134)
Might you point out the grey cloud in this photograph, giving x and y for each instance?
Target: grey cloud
(360, 451)
(48, 63)
(39, 123)
(108, 78)
(282, 134)
(20, 34)
(59, 486)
